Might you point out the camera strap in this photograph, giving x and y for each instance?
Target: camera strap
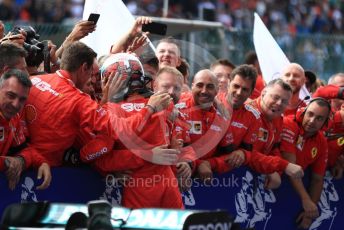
(46, 54)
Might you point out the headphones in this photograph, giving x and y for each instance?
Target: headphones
(300, 113)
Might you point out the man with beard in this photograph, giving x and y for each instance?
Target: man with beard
(209, 126)
(163, 136)
(334, 134)
(245, 119)
(294, 75)
(170, 80)
(15, 153)
(303, 143)
(245, 125)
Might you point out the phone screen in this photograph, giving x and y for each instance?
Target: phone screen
(93, 17)
(155, 28)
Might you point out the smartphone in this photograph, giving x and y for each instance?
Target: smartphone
(155, 28)
(93, 17)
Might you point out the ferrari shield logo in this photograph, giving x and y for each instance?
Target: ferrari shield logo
(340, 141)
(314, 152)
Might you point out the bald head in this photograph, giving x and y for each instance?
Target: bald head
(336, 79)
(294, 65)
(204, 88)
(294, 75)
(206, 73)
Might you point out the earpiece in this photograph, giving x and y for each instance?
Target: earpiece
(301, 111)
(298, 117)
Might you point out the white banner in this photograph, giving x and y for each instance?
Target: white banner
(114, 21)
(272, 59)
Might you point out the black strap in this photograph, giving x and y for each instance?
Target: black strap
(276, 145)
(246, 146)
(225, 149)
(17, 149)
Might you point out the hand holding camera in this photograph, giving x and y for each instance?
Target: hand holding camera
(14, 38)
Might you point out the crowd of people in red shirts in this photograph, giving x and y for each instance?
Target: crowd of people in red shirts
(139, 118)
(302, 17)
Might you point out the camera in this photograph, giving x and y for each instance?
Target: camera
(35, 48)
(99, 212)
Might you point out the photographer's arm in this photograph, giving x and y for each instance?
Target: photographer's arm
(18, 39)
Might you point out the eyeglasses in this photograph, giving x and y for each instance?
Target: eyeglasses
(276, 98)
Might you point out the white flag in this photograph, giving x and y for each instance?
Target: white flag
(114, 21)
(272, 59)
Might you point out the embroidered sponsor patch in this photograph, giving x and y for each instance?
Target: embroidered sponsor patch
(181, 105)
(30, 113)
(253, 110)
(43, 86)
(238, 125)
(196, 127)
(139, 106)
(215, 128)
(286, 137)
(288, 131)
(178, 129)
(263, 135)
(129, 107)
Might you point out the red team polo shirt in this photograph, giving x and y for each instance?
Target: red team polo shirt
(335, 139)
(210, 133)
(13, 142)
(310, 151)
(56, 110)
(247, 127)
(245, 124)
(162, 192)
(266, 157)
